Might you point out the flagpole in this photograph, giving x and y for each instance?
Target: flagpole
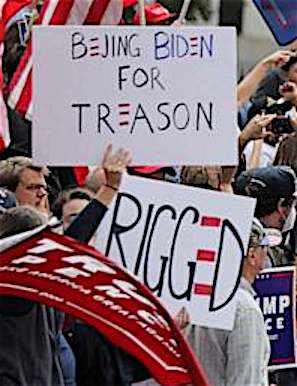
(183, 12)
(141, 5)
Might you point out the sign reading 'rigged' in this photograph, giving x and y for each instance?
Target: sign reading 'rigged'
(186, 244)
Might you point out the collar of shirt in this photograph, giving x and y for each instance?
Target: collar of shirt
(246, 286)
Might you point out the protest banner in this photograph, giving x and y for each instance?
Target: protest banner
(186, 244)
(166, 94)
(276, 297)
(281, 18)
(80, 281)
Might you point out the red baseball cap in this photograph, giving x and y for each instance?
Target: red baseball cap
(150, 169)
(154, 14)
(129, 3)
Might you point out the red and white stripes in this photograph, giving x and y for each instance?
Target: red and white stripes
(58, 12)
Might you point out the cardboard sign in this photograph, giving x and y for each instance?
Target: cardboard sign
(276, 297)
(281, 18)
(166, 94)
(186, 244)
(80, 281)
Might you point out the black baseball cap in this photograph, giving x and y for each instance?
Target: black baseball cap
(273, 181)
(7, 199)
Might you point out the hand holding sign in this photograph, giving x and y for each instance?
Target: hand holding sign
(182, 318)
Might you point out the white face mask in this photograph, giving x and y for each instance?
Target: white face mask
(268, 263)
(290, 220)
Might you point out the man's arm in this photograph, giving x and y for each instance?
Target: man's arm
(86, 223)
(14, 306)
(249, 84)
(113, 165)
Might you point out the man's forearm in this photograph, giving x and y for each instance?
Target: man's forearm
(86, 223)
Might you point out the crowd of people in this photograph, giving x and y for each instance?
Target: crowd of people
(41, 346)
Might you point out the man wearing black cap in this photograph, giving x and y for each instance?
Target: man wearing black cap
(274, 188)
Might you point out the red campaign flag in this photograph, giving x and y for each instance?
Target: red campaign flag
(58, 12)
(80, 281)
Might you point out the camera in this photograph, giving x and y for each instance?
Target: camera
(280, 124)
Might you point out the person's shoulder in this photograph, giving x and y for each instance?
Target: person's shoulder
(247, 307)
(246, 301)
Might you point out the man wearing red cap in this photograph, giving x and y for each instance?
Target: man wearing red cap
(158, 172)
(155, 14)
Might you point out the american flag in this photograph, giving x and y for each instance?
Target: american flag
(8, 9)
(58, 12)
(4, 128)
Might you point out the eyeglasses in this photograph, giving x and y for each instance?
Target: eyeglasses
(34, 187)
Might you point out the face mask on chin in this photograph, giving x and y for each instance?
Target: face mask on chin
(267, 263)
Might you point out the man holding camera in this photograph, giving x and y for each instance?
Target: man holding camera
(272, 108)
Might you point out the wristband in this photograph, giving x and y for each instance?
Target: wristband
(111, 187)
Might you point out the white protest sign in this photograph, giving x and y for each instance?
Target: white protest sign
(186, 244)
(167, 94)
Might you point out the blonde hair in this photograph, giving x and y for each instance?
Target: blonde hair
(12, 168)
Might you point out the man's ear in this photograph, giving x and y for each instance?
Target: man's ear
(250, 257)
(280, 202)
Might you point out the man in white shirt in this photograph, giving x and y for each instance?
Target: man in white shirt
(240, 357)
